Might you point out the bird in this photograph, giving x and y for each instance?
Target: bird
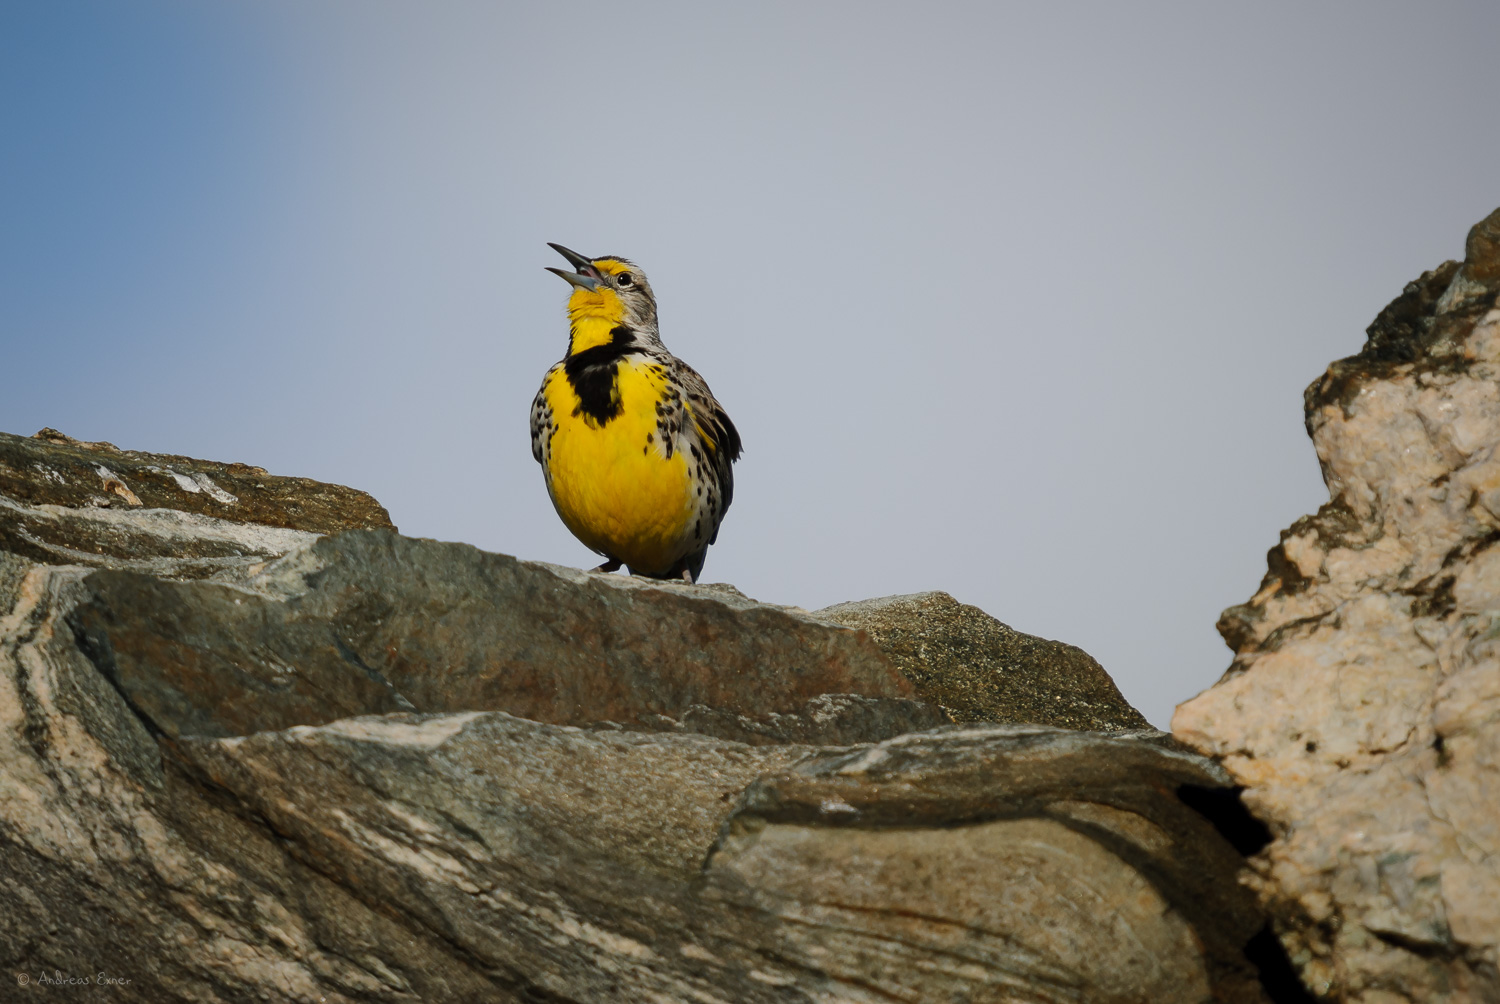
(636, 451)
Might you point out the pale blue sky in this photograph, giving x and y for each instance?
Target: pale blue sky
(1016, 301)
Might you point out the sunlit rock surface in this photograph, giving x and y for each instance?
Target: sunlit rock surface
(1362, 710)
(247, 761)
(982, 670)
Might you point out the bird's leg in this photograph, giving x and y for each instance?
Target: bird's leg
(613, 564)
(687, 575)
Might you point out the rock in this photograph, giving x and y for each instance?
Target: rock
(114, 863)
(1362, 709)
(825, 720)
(365, 768)
(479, 856)
(981, 670)
(66, 502)
(370, 622)
(993, 836)
(574, 862)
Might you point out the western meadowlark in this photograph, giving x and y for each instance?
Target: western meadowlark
(634, 447)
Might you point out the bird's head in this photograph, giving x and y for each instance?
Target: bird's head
(608, 292)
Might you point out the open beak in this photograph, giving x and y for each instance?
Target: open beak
(587, 277)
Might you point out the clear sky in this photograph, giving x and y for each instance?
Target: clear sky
(1011, 300)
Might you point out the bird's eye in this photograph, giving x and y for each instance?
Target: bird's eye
(624, 279)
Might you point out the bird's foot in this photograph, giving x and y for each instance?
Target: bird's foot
(687, 576)
(612, 565)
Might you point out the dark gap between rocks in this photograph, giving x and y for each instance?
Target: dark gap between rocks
(1223, 808)
(1266, 953)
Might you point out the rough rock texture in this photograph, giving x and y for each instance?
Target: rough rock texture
(981, 670)
(367, 768)
(825, 720)
(67, 502)
(1362, 710)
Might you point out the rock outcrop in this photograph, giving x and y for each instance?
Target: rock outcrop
(1362, 709)
(268, 749)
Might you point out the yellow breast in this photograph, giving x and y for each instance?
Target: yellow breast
(611, 482)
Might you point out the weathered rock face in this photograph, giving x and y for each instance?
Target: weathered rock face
(368, 768)
(1362, 710)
